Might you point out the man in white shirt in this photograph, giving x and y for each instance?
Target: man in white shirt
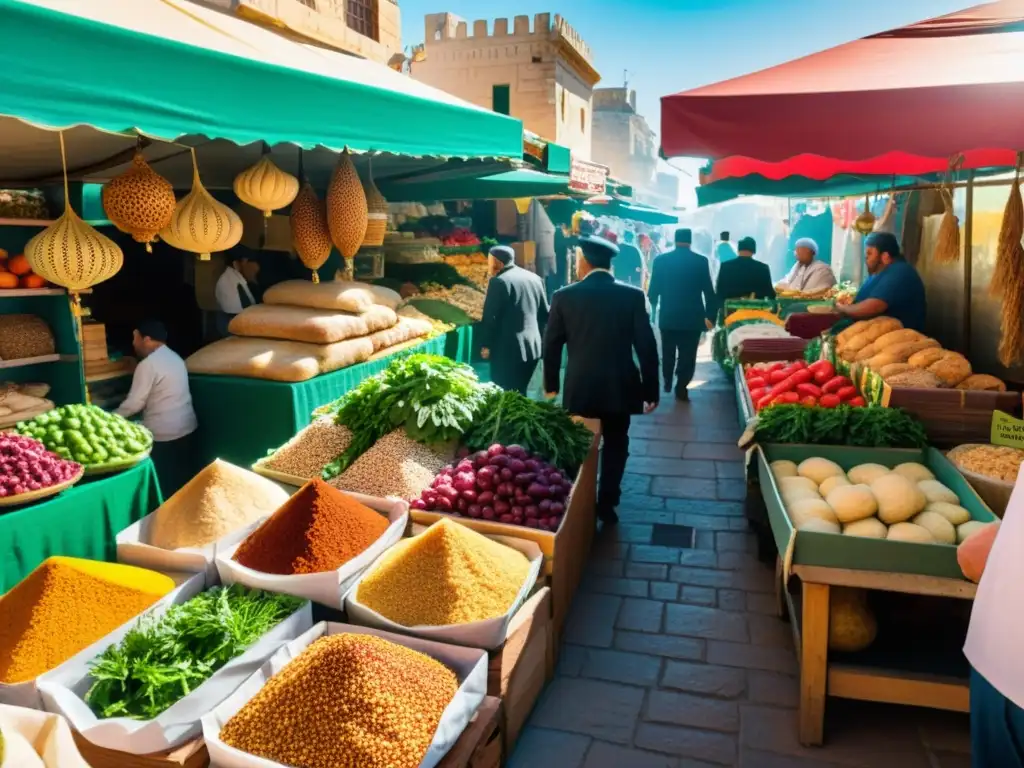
(232, 290)
(809, 274)
(160, 392)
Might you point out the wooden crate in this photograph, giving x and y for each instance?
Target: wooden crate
(518, 671)
(190, 755)
(480, 745)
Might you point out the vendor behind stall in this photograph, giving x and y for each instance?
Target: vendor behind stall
(810, 274)
(233, 292)
(160, 392)
(893, 288)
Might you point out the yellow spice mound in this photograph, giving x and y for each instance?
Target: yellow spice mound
(66, 605)
(347, 701)
(220, 500)
(449, 574)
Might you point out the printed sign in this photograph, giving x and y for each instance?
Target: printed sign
(1006, 430)
(588, 178)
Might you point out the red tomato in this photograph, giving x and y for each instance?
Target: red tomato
(810, 401)
(847, 392)
(777, 376)
(757, 394)
(803, 376)
(820, 367)
(857, 402)
(756, 382)
(829, 401)
(788, 398)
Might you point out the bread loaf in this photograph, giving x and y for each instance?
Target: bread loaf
(893, 338)
(276, 360)
(951, 369)
(926, 357)
(982, 382)
(317, 326)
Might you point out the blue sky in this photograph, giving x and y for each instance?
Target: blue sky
(668, 46)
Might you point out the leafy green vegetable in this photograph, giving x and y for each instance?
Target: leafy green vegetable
(162, 660)
(872, 427)
(542, 428)
(433, 397)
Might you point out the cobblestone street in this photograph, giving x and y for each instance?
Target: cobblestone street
(673, 656)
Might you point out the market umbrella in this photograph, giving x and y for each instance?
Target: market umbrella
(932, 89)
(605, 205)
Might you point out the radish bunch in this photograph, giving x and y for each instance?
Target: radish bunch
(26, 465)
(503, 484)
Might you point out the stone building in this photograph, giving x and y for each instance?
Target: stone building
(623, 140)
(543, 75)
(370, 29)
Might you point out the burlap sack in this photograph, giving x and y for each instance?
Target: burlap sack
(316, 326)
(406, 330)
(337, 295)
(276, 360)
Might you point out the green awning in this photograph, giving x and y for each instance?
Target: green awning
(499, 186)
(624, 209)
(169, 69)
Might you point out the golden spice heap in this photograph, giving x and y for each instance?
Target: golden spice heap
(348, 701)
(446, 575)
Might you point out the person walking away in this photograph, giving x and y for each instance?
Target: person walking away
(992, 556)
(233, 292)
(160, 392)
(565, 246)
(744, 276)
(724, 250)
(628, 266)
(681, 286)
(809, 274)
(603, 322)
(515, 313)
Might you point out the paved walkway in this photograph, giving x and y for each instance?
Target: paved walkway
(673, 656)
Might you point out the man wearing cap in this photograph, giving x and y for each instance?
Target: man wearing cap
(681, 285)
(602, 322)
(893, 288)
(744, 276)
(515, 313)
(628, 266)
(809, 274)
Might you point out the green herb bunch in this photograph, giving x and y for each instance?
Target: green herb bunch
(543, 428)
(872, 427)
(162, 660)
(433, 397)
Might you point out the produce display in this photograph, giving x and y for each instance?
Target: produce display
(316, 326)
(392, 698)
(89, 435)
(65, 605)
(306, 454)
(318, 529)
(23, 204)
(447, 575)
(395, 466)
(472, 266)
(469, 300)
(26, 466)
(904, 503)
(433, 397)
(220, 500)
(747, 315)
(162, 659)
(277, 359)
(741, 334)
(24, 336)
(16, 272)
(814, 385)
(867, 427)
(993, 461)
(541, 427)
(503, 483)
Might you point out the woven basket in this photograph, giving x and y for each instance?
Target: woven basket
(376, 227)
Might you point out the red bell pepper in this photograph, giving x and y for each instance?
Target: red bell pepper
(829, 401)
(847, 393)
(808, 390)
(835, 384)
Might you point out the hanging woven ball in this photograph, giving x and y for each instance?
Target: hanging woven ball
(266, 187)
(201, 224)
(139, 202)
(347, 212)
(311, 236)
(72, 254)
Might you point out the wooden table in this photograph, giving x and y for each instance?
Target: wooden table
(809, 617)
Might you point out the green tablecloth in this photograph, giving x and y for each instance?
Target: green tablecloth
(80, 522)
(458, 344)
(241, 419)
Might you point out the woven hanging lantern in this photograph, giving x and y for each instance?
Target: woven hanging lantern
(311, 237)
(865, 223)
(347, 212)
(266, 187)
(200, 223)
(139, 202)
(377, 216)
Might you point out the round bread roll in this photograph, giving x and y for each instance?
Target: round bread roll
(852, 502)
(865, 474)
(868, 528)
(913, 471)
(792, 483)
(965, 530)
(832, 482)
(783, 468)
(817, 525)
(898, 498)
(910, 532)
(939, 527)
(807, 508)
(935, 491)
(818, 469)
(793, 495)
(956, 514)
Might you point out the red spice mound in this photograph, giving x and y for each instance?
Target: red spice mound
(318, 529)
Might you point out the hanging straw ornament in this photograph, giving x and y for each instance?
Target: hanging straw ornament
(377, 216)
(947, 243)
(1009, 270)
(266, 187)
(140, 202)
(865, 223)
(200, 223)
(311, 237)
(347, 211)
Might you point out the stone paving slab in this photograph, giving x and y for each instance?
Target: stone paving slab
(674, 657)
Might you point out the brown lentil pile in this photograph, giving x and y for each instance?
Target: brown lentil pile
(306, 454)
(996, 461)
(395, 465)
(348, 701)
(318, 529)
(449, 574)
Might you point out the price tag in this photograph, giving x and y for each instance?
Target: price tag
(1006, 430)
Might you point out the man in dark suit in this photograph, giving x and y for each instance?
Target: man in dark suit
(744, 276)
(602, 322)
(681, 284)
(515, 313)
